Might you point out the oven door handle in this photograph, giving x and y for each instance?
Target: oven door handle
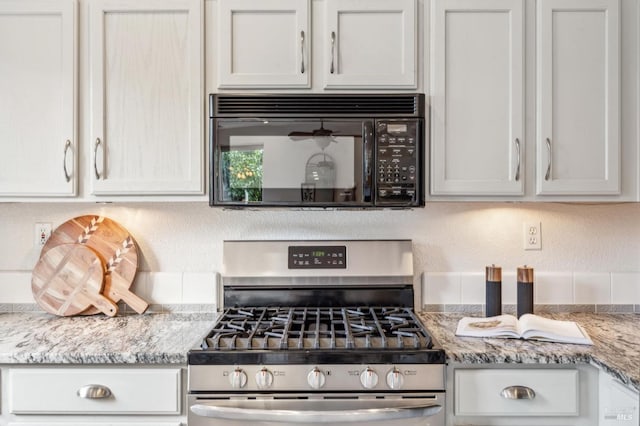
(354, 415)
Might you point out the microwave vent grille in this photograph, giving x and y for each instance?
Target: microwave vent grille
(321, 105)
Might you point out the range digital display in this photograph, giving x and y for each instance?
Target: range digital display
(317, 257)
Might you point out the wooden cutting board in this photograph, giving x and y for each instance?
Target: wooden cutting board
(114, 245)
(68, 279)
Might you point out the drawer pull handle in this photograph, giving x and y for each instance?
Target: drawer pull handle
(517, 392)
(94, 392)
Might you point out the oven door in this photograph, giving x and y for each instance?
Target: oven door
(286, 162)
(424, 409)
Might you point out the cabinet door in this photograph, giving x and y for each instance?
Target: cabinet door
(578, 102)
(49, 390)
(370, 44)
(146, 82)
(38, 146)
(263, 44)
(477, 107)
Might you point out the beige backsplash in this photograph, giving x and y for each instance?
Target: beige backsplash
(590, 253)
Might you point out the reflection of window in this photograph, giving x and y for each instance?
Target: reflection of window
(242, 175)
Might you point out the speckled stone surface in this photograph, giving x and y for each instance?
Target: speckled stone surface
(152, 338)
(616, 344)
(165, 338)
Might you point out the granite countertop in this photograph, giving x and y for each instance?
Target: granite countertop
(616, 344)
(152, 338)
(165, 338)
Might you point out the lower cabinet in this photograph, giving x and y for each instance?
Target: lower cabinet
(564, 395)
(619, 404)
(81, 396)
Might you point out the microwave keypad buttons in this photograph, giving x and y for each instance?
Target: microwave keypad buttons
(396, 161)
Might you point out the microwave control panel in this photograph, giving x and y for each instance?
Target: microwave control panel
(397, 162)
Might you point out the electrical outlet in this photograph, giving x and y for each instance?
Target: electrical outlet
(532, 236)
(42, 234)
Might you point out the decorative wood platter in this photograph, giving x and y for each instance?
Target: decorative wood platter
(68, 279)
(114, 245)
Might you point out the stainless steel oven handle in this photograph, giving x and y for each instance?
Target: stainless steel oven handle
(315, 416)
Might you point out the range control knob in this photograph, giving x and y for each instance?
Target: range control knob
(237, 378)
(316, 378)
(368, 378)
(395, 379)
(264, 378)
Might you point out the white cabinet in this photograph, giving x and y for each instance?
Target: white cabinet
(38, 145)
(79, 396)
(477, 97)
(264, 43)
(146, 107)
(485, 392)
(517, 394)
(362, 44)
(578, 97)
(371, 44)
(546, 88)
(619, 405)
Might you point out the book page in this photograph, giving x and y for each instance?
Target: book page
(536, 327)
(498, 326)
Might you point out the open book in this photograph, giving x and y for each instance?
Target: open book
(529, 326)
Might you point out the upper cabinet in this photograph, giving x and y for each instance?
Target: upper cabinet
(146, 85)
(578, 97)
(534, 101)
(38, 145)
(371, 44)
(477, 97)
(363, 44)
(264, 43)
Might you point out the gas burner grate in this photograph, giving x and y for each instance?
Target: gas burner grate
(285, 328)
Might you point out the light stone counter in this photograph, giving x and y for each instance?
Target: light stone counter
(165, 338)
(616, 344)
(152, 338)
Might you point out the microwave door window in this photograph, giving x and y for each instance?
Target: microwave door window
(277, 162)
(307, 170)
(242, 173)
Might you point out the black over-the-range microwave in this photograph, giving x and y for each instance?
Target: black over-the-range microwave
(317, 150)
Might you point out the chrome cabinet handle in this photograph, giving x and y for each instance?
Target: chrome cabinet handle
(517, 392)
(548, 174)
(302, 52)
(67, 145)
(94, 392)
(518, 154)
(95, 158)
(333, 45)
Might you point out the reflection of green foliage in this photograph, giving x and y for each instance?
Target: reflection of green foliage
(244, 172)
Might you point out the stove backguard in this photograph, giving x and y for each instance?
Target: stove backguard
(320, 273)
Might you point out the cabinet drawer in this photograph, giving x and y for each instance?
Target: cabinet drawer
(132, 391)
(478, 392)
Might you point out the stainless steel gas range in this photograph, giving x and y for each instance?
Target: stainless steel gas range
(317, 332)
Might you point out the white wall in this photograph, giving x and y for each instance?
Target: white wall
(590, 253)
